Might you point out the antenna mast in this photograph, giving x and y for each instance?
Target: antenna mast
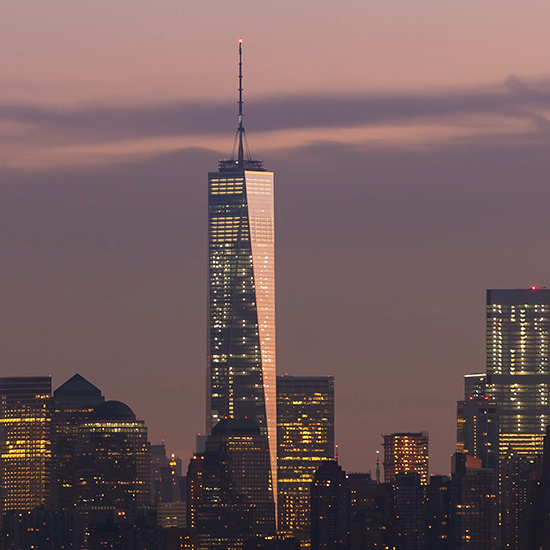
(377, 466)
(240, 131)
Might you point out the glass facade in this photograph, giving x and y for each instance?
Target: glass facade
(241, 299)
(518, 375)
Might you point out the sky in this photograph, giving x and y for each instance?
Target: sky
(410, 143)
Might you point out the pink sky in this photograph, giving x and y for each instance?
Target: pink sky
(404, 149)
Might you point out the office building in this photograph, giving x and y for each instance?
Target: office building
(305, 434)
(330, 508)
(438, 513)
(113, 463)
(25, 443)
(371, 513)
(241, 292)
(477, 429)
(410, 511)
(474, 504)
(72, 404)
(518, 373)
(406, 452)
(230, 498)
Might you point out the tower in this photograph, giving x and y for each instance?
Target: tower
(241, 292)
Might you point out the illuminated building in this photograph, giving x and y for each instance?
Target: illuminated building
(330, 508)
(25, 446)
(305, 432)
(474, 503)
(72, 403)
(230, 496)
(477, 429)
(112, 461)
(518, 373)
(241, 292)
(406, 452)
(518, 380)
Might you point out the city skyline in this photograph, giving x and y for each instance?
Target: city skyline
(105, 240)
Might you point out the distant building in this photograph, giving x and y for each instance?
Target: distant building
(477, 429)
(25, 443)
(438, 513)
(518, 380)
(410, 511)
(371, 513)
(72, 404)
(305, 434)
(475, 513)
(330, 508)
(112, 461)
(406, 452)
(230, 498)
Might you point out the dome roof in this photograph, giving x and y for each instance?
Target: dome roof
(113, 410)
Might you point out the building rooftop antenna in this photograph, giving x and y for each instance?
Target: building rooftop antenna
(240, 131)
(377, 466)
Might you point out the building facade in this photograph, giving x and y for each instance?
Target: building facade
(241, 380)
(406, 452)
(518, 372)
(305, 434)
(25, 442)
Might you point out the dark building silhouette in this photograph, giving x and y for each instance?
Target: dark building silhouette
(477, 430)
(438, 513)
(25, 442)
(410, 511)
(230, 497)
(305, 435)
(72, 404)
(406, 452)
(371, 513)
(474, 502)
(330, 508)
(113, 469)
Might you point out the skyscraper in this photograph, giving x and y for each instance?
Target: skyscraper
(25, 445)
(406, 452)
(305, 433)
(241, 292)
(518, 371)
(518, 380)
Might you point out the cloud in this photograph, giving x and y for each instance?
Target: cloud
(196, 118)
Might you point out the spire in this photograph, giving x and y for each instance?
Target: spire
(240, 156)
(240, 130)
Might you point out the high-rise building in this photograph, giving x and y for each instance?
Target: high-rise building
(410, 511)
(518, 380)
(518, 371)
(477, 429)
(25, 443)
(241, 292)
(438, 513)
(305, 434)
(72, 403)
(406, 452)
(330, 508)
(474, 503)
(113, 464)
(230, 499)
